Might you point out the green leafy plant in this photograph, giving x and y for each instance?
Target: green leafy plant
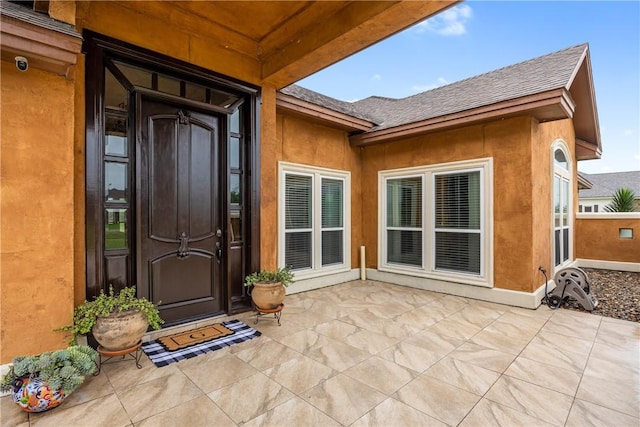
(623, 201)
(86, 314)
(61, 369)
(283, 275)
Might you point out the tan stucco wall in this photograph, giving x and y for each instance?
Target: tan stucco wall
(36, 210)
(305, 142)
(599, 239)
(79, 246)
(520, 149)
(269, 155)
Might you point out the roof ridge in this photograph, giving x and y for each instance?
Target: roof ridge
(610, 173)
(386, 98)
(585, 45)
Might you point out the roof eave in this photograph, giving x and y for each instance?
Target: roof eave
(45, 47)
(584, 183)
(586, 150)
(322, 114)
(545, 106)
(586, 124)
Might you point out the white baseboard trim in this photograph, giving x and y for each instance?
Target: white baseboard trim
(608, 265)
(322, 281)
(529, 300)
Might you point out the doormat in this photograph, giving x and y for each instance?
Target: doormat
(160, 355)
(194, 336)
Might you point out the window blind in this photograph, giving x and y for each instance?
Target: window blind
(298, 201)
(457, 222)
(404, 221)
(298, 221)
(332, 208)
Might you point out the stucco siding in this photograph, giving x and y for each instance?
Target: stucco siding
(37, 206)
(598, 238)
(79, 246)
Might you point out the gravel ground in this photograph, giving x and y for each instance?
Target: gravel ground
(618, 294)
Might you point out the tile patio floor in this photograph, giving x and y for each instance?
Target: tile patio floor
(374, 354)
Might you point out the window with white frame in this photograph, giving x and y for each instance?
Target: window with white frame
(314, 220)
(562, 205)
(436, 220)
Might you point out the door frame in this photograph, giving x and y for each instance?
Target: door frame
(99, 50)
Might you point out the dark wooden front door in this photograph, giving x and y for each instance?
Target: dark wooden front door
(178, 215)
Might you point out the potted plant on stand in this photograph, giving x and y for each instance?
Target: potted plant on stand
(267, 287)
(117, 320)
(41, 382)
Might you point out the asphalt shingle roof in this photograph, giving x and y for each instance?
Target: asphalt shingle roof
(43, 20)
(326, 101)
(605, 184)
(545, 73)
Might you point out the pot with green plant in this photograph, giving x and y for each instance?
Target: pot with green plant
(267, 287)
(42, 382)
(117, 320)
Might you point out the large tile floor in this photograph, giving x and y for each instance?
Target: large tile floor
(367, 353)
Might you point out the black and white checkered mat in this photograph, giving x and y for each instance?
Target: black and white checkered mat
(161, 357)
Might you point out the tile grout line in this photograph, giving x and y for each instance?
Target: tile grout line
(502, 374)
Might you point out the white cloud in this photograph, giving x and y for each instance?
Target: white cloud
(451, 22)
(627, 132)
(440, 81)
(376, 77)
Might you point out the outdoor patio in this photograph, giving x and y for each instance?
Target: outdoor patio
(369, 353)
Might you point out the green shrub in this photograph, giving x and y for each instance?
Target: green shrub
(86, 314)
(623, 201)
(283, 275)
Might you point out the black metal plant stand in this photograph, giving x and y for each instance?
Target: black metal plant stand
(134, 353)
(277, 313)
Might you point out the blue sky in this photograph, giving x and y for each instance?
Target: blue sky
(480, 36)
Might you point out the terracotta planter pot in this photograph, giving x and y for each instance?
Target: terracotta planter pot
(268, 295)
(121, 330)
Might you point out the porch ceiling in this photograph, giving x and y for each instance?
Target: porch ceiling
(292, 39)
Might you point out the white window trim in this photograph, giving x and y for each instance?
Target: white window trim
(384, 228)
(485, 166)
(317, 173)
(561, 145)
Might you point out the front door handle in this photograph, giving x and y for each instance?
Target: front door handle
(183, 250)
(218, 252)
